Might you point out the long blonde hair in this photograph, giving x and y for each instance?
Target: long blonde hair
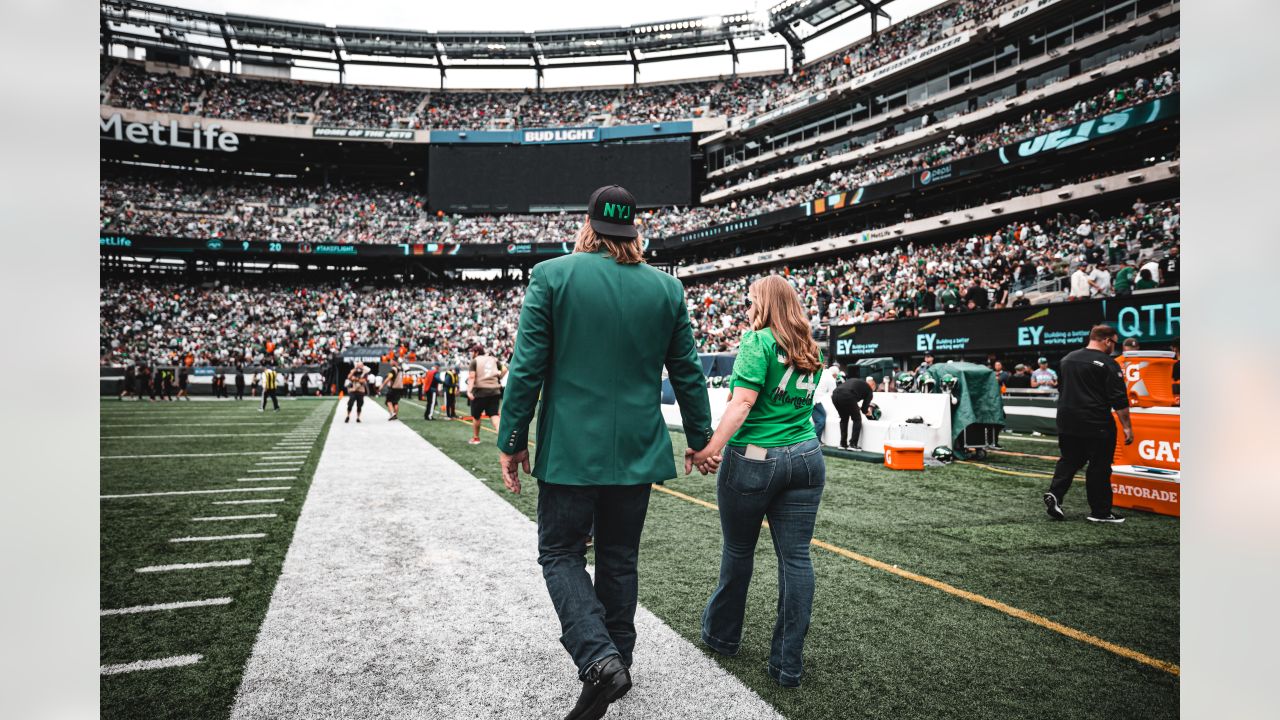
(775, 305)
(627, 252)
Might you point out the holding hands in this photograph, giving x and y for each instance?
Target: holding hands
(706, 460)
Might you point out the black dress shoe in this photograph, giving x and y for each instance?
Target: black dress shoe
(606, 681)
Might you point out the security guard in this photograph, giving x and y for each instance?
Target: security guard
(1091, 385)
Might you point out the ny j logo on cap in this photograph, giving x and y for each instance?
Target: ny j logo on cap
(612, 210)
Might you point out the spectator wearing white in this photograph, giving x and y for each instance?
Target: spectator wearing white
(821, 394)
(1080, 283)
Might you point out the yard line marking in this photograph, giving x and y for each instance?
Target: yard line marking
(256, 516)
(194, 566)
(1030, 439)
(157, 664)
(268, 479)
(216, 538)
(203, 435)
(1005, 472)
(247, 502)
(1030, 617)
(187, 425)
(165, 606)
(177, 455)
(277, 468)
(192, 492)
(1012, 453)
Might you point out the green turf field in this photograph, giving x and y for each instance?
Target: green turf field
(881, 646)
(136, 532)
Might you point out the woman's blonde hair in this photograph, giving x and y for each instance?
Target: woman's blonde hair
(776, 305)
(627, 252)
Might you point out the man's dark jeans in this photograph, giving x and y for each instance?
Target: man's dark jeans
(595, 621)
(1097, 452)
(786, 487)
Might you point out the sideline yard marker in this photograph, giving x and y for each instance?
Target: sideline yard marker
(268, 479)
(194, 566)
(247, 502)
(216, 538)
(193, 492)
(165, 606)
(157, 664)
(212, 518)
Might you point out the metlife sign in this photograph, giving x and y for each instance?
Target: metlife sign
(544, 136)
(197, 137)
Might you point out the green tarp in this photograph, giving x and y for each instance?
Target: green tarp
(976, 400)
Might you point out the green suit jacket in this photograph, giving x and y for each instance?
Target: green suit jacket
(594, 336)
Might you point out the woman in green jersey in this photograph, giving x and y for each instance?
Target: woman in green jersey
(772, 467)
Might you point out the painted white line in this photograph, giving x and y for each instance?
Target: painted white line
(256, 516)
(184, 424)
(268, 479)
(247, 502)
(216, 538)
(166, 606)
(194, 566)
(176, 455)
(200, 435)
(192, 492)
(157, 664)
(277, 468)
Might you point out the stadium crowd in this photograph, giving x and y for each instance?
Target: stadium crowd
(283, 212)
(219, 95)
(961, 144)
(170, 322)
(1102, 256)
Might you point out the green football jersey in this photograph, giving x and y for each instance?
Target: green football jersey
(783, 412)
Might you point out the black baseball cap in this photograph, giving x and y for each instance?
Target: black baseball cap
(612, 210)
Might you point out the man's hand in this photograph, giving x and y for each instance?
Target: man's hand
(511, 465)
(707, 460)
(1128, 436)
(471, 395)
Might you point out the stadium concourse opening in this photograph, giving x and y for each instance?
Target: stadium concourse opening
(957, 196)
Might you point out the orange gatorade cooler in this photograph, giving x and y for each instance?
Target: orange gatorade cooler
(1148, 377)
(902, 455)
(1150, 489)
(1157, 439)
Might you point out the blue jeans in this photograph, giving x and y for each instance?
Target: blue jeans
(596, 621)
(785, 487)
(819, 419)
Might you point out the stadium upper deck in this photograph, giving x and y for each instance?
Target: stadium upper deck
(169, 87)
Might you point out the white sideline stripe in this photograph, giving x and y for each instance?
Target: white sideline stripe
(277, 468)
(157, 664)
(201, 435)
(195, 566)
(268, 479)
(166, 606)
(193, 492)
(187, 425)
(215, 538)
(247, 502)
(257, 516)
(174, 455)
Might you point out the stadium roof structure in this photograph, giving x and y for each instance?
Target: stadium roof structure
(178, 33)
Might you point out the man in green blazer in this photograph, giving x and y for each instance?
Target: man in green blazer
(596, 329)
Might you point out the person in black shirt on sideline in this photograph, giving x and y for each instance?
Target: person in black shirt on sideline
(1091, 385)
(847, 397)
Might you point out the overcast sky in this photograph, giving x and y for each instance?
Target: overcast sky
(521, 16)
